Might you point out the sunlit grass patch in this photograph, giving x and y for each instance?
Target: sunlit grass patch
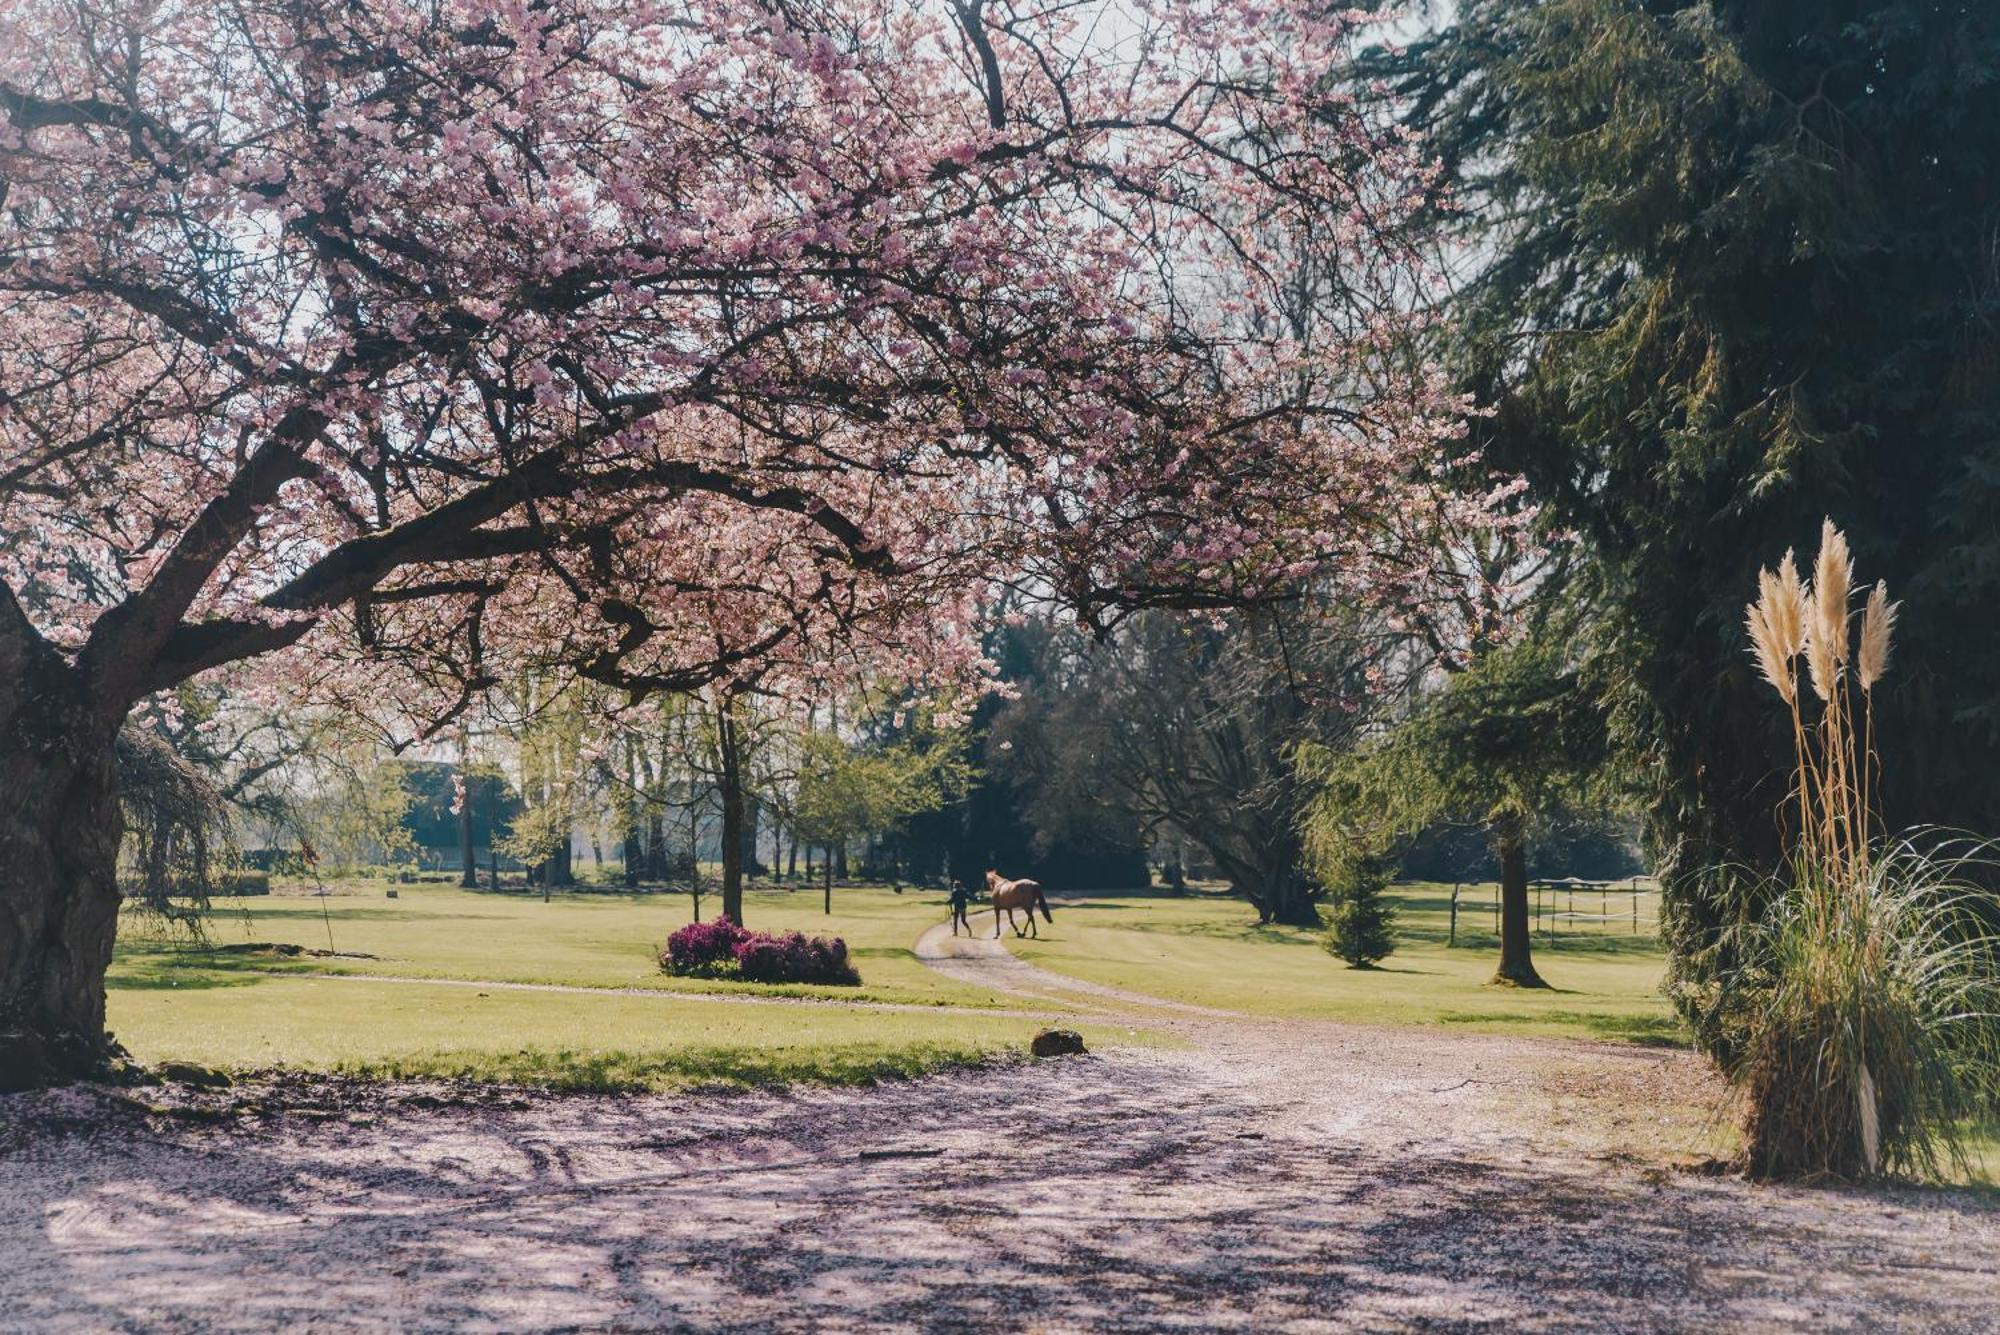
(594, 939)
(1208, 950)
(570, 1040)
(704, 1068)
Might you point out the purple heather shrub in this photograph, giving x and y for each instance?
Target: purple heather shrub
(722, 949)
(702, 948)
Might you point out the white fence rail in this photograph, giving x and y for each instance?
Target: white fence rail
(1629, 907)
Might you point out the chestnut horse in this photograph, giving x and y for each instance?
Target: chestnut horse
(1011, 895)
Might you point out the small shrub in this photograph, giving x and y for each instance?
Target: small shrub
(245, 883)
(1360, 925)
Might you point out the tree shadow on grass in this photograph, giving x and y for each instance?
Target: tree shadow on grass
(1224, 931)
(1582, 944)
(1657, 1031)
(308, 914)
(235, 964)
(177, 978)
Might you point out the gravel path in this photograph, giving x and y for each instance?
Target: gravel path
(1263, 1175)
(985, 961)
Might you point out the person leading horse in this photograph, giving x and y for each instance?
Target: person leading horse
(961, 898)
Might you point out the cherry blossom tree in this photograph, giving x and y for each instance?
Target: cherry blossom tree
(385, 349)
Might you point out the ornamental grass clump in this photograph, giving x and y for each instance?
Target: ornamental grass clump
(1866, 994)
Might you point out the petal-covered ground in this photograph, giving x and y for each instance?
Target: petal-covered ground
(1262, 1175)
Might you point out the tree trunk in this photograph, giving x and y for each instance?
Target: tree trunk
(1517, 965)
(1278, 890)
(468, 856)
(730, 789)
(753, 812)
(827, 907)
(60, 825)
(630, 811)
(656, 849)
(1291, 900)
(656, 833)
(694, 862)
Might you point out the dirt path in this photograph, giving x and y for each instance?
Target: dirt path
(981, 960)
(1265, 1176)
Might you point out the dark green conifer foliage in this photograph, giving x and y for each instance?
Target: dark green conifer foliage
(1360, 920)
(1738, 268)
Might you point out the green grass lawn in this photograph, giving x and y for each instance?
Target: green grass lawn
(1207, 949)
(564, 1040)
(170, 1000)
(173, 1000)
(587, 940)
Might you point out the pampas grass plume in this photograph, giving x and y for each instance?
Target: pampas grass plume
(1776, 624)
(1788, 608)
(1878, 627)
(1765, 644)
(1826, 638)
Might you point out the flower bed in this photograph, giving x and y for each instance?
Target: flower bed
(721, 949)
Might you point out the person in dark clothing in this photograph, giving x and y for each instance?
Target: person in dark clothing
(961, 898)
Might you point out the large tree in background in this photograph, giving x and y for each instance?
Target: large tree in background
(1736, 269)
(1003, 823)
(1506, 743)
(396, 348)
(1186, 726)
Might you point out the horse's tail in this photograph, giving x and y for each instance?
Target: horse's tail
(1042, 902)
